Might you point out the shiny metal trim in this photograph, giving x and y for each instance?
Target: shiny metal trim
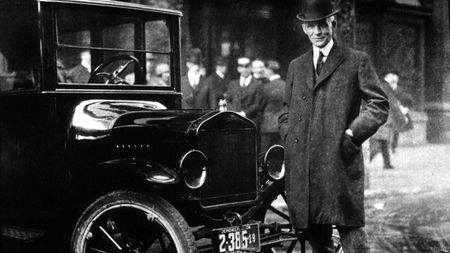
(116, 4)
(219, 113)
(111, 91)
(180, 164)
(265, 161)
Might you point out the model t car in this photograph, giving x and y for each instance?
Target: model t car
(96, 152)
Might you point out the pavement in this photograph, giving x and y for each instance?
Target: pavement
(408, 208)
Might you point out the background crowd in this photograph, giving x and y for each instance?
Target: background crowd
(257, 93)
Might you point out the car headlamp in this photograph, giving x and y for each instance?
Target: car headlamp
(193, 168)
(274, 162)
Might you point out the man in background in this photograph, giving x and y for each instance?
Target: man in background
(82, 72)
(194, 91)
(273, 95)
(405, 102)
(244, 95)
(217, 83)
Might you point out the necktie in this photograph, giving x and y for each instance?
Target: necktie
(319, 63)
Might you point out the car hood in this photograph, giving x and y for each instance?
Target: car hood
(95, 119)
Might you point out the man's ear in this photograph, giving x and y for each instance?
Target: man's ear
(304, 29)
(334, 23)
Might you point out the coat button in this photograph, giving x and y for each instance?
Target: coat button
(296, 140)
(300, 118)
(304, 97)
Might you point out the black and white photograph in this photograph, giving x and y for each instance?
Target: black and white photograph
(224, 126)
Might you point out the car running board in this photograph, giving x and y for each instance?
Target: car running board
(19, 233)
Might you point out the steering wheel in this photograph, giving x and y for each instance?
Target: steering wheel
(114, 77)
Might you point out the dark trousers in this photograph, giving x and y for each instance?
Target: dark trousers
(383, 147)
(394, 143)
(353, 239)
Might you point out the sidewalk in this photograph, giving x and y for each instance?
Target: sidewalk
(408, 208)
(417, 169)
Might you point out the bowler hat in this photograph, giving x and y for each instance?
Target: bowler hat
(221, 61)
(315, 10)
(195, 56)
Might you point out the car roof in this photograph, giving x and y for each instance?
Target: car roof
(116, 4)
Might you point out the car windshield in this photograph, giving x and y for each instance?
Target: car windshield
(112, 47)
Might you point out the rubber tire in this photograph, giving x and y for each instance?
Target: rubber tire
(181, 231)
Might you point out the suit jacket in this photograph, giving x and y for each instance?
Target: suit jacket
(78, 74)
(217, 87)
(324, 166)
(247, 99)
(273, 95)
(194, 98)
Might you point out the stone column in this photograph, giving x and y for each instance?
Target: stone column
(437, 80)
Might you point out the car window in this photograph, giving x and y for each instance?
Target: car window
(19, 47)
(112, 48)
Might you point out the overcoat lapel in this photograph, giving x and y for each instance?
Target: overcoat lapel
(308, 68)
(336, 57)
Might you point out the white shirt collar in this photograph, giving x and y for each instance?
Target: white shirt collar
(86, 65)
(325, 51)
(193, 78)
(274, 77)
(220, 74)
(246, 80)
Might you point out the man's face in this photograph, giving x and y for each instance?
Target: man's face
(319, 32)
(243, 70)
(392, 79)
(193, 67)
(222, 69)
(258, 69)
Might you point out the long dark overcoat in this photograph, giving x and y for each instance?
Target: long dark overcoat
(324, 167)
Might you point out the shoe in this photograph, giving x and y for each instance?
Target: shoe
(389, 167)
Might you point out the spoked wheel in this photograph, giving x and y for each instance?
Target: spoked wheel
(275, 211)
(130, 222)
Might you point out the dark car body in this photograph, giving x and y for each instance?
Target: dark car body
(65, 143)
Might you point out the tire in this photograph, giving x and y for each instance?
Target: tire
(275, 210)
(126, 221)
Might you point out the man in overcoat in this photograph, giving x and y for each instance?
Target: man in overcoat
(193, 89)
(323, 126)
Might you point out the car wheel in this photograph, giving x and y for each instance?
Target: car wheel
(275, 210)
(126, 221)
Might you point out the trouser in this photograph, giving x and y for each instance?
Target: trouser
(384, 149)
(353, 239)
(384, 145)
(394, 143)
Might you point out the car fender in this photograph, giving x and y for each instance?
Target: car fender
(150, 172)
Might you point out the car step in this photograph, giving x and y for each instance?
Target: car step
(19, 233)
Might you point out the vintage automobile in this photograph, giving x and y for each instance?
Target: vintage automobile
(96, 152)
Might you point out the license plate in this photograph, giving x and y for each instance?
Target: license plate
(236, 239)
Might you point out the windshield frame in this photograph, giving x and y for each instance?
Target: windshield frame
(172, 19)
